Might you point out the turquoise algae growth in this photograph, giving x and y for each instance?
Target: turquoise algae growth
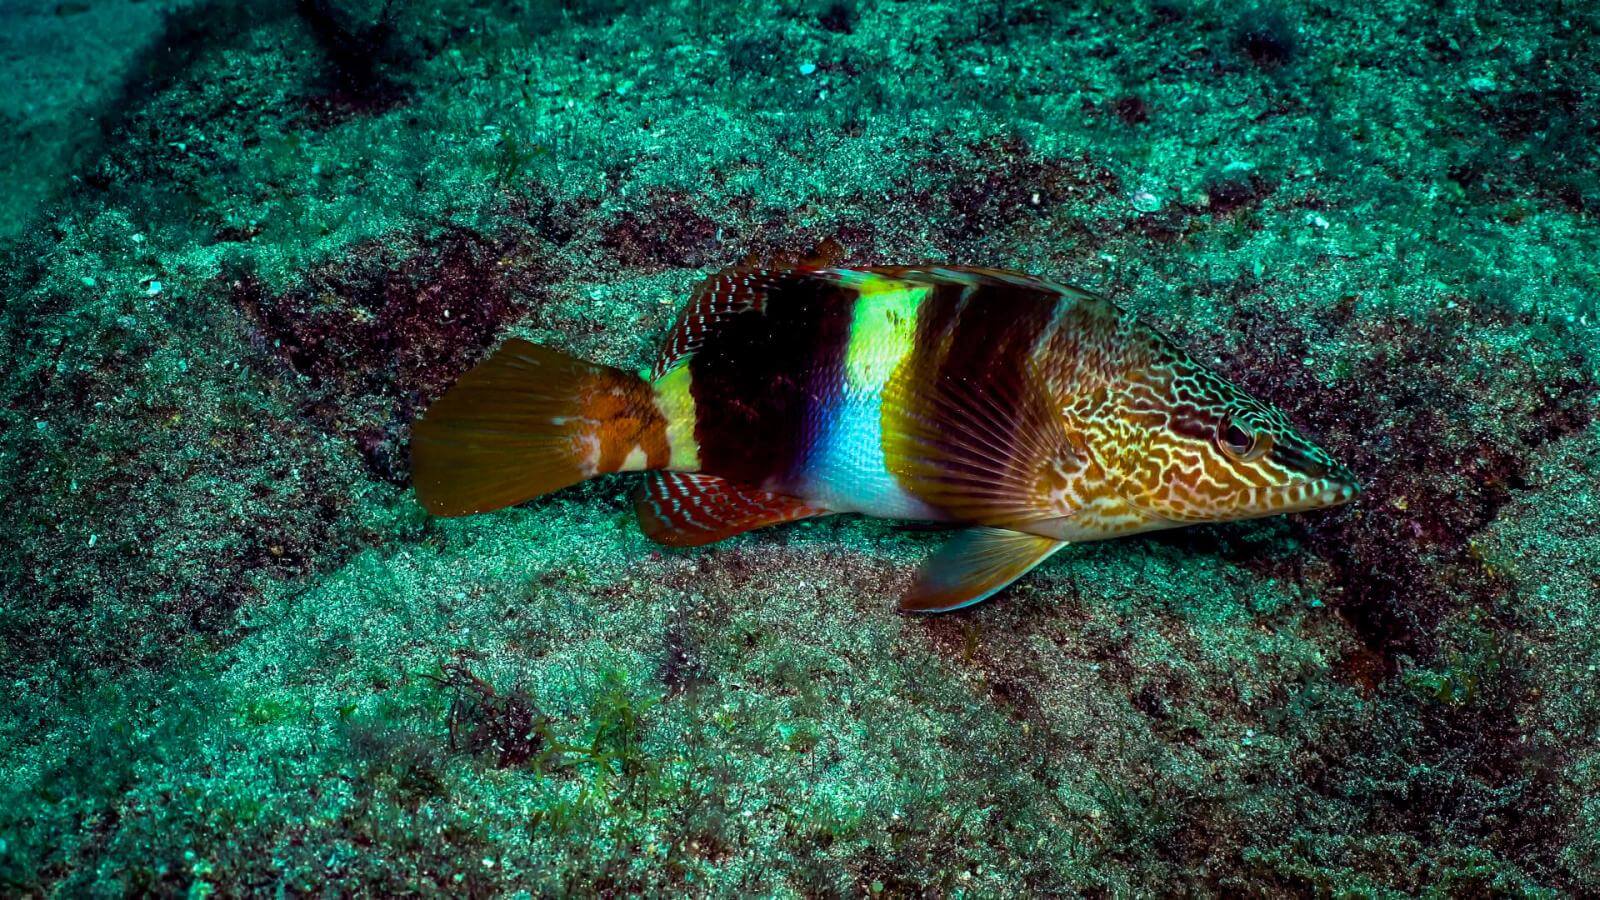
(246, 243)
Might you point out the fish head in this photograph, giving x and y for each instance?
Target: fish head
(1198, 448)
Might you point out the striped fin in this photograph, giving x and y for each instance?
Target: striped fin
(739, 290)
(717, 299)
(682, 509)
(980, 277)
(973, 566)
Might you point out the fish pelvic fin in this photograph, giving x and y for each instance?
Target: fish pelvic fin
(529, 420)
(973, 566)
(684, 509)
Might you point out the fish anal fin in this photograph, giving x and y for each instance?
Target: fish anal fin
(992, 448)
(973, 566)
(682, 509)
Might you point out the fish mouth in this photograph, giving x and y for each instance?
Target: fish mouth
(1295, 497)
(1305, 496)
(1316, 482)
(1336, 488)
(1338, 494)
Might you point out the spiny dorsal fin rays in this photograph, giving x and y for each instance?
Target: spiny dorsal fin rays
(747, 288)
(718, 298)
(991, 448)
(973, 566)
(974, 276)
(683, 509)
(736, 290)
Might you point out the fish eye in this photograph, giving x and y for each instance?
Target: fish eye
(1240, 441)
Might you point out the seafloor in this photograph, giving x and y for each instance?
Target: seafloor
(244, 243)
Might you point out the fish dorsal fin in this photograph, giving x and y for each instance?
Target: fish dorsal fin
(682, 509)
(973, 566)
(981, 277)
(988, 446)
(724, 295)
(737, 290)
(750, 286)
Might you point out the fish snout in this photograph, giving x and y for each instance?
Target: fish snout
(1340, 488)
(1336, 485)
(1331, 484)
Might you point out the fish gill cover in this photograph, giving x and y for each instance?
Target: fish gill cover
(246, 243)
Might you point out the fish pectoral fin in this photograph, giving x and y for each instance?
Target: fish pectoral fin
(991, 448)
(972, 566)
(682, 509)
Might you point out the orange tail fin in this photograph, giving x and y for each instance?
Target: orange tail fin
(529, 420)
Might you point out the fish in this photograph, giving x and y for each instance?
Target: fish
(1025, 413)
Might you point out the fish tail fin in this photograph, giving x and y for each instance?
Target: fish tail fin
(529, 420)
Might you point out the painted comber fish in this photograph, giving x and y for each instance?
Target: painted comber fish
(1033, 413)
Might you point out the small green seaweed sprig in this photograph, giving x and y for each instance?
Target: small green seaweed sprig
(481, 718)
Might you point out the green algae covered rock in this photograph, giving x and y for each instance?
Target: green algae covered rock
(240, 659)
